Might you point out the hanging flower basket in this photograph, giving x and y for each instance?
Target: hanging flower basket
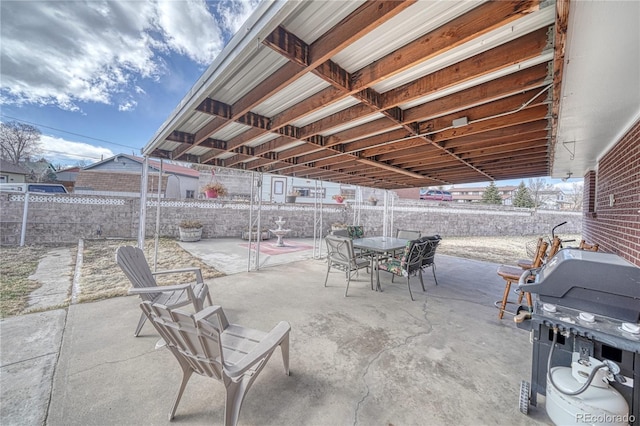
(291, 196)
(214, 190)
(339, 198)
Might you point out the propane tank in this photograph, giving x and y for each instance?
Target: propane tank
(599, 404)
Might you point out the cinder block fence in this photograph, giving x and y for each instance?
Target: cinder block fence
(66, 218)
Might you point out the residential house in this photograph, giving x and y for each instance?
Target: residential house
(67, 177)
(11, 173)
(408, 193)
(121, 176)
(39, 171)
(474, 194)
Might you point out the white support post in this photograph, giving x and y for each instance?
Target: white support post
(143, 202)
(156, 241)
(25, 211)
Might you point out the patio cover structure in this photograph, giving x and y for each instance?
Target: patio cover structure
(402, 94)
(395, 94)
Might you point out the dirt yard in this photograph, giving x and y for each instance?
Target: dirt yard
(100, 279)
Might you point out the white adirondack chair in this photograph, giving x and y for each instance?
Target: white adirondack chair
(205, 343)
(133, 263)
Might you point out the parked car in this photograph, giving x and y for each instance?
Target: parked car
(435, 195)
(40, 188)
(431, 194)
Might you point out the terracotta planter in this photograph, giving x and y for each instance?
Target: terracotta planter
(211, 193)
(190, 234)
(290, 198)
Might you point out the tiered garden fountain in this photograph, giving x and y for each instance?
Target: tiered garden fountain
(280, 232)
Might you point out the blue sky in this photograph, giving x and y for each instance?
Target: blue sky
(98, 78)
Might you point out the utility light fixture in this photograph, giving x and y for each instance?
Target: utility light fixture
(568, 176)
(459, 122)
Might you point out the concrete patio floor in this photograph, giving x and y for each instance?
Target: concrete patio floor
(373, 358)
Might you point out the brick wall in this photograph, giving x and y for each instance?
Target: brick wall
(616, 227)
(116, 181)
(66, 218)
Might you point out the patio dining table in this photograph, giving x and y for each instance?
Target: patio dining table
(376, 247)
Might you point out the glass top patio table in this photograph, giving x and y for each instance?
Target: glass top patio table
(380, 244)
(377, 246)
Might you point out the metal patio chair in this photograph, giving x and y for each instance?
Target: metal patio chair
(410, 264)
(408, 234)
(206, 344)
(355, 231)
(134, 265)
(429, 254)
(341, 256)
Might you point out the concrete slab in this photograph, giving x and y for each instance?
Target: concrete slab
(55, 274)
(232, 255)
(370, 358)
(28, 355)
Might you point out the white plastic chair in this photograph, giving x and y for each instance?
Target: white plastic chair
(205, 343)
(134, 265)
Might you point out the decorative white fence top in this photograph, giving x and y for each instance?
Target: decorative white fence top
(63, 199)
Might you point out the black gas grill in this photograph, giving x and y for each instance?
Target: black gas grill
(593, 299)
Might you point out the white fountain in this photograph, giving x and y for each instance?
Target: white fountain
(280, 232)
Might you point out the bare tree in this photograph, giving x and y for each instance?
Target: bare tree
(540, 191)
(19, 141)
(575, 196)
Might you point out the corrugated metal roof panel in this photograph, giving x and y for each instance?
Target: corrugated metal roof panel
(294, 93)
(198, 150)
(407, 26)
(225, 155)
(474, 82)
(168, 145)
(316, 18)
(262, 139)
(490, 40)
(289, 145)
(354, 123)
(263, 64)
(332, 108)
(230, 131)
(196, 121)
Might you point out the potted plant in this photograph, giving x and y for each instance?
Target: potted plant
(373, 200)
(339, 198)
(190, 230)
(214, 190)
(291, 196)
(336, 226)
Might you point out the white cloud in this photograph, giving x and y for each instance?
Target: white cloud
(62, 151)
(65, 53)
(569, 185)
(127, 106)
(190, 30)
(234, 13)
